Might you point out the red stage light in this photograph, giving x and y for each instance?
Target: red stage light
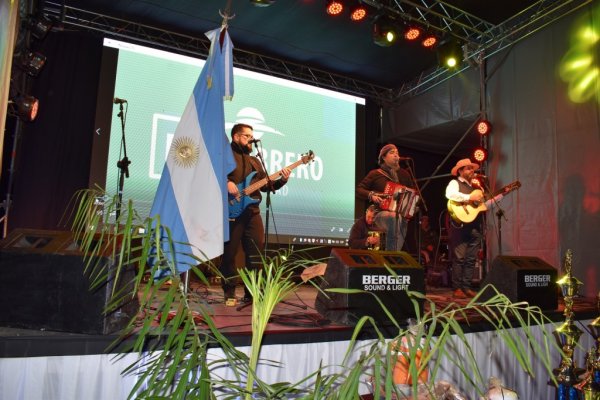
(480, 154)
(476, 182)
(25, 107)
(358, 13)
(429, 41)
(483, 127)
(335, 7)
(412, 33)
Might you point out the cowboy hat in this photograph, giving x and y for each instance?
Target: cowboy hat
(463, 163)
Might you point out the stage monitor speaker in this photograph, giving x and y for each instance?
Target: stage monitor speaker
(366, 270)
(43, 290)
(522, 278)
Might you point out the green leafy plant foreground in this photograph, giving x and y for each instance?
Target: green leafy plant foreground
(173, 347)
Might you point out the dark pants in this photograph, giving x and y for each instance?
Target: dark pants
(247, 230)
(464, 243)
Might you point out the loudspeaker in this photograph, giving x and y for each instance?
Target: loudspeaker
(366, 270)
(522, 278)
(40, 289)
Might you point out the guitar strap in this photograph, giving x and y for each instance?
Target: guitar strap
(255, 163)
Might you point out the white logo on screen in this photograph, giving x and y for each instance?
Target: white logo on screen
(251, 116)
(274, 158)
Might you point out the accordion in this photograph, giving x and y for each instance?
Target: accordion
(399, 198)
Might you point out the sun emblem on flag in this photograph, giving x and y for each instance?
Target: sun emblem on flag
(185, 152)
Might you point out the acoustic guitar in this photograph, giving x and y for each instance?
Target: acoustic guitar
(467, 211)
(239, 204)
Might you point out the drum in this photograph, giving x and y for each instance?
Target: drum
(381, 236)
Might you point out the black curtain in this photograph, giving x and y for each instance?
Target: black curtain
(52, 161)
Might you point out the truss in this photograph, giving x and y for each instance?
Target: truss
(439, 16)
(482, 39)
(199, 47)
(497, 38)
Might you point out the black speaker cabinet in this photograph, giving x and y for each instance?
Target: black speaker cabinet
(40, 289)
(522, 278)
(366, 270)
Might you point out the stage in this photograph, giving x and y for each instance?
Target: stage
(47, 364)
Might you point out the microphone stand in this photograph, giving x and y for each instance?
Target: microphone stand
(269, 185)
(422, 201)
(499, 214)
(122, 164)
(268, 200)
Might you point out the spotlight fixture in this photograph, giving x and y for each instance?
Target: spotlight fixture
(262, 3)
(412, 33)
(384, 32)
(429, 41)
(449, 54)
(358, 13)
(26, 107)
(483, 127)
(334, 7)
(32, 63)
(479, 154)
(39, 27)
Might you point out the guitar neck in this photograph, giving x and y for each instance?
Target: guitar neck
(261, 182)
(510, 187)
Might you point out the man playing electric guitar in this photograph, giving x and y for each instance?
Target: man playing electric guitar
(464, 238)
(246, 229)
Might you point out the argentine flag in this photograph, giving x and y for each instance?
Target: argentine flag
(191, 198)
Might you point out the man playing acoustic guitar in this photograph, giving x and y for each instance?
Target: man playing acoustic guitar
(464, 235)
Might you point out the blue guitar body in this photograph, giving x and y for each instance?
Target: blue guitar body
(237, 207)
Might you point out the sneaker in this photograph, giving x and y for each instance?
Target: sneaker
(470, 293)
(459, 294)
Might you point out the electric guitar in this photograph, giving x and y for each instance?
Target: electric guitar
(467, 211)
(237, 205)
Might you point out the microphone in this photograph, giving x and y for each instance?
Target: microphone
(253, 141)
(481, 176)
(117, 100)
(404, 158)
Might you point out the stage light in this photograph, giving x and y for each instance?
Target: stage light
(334, 7)
(39, 27)
(32, 63)
(483, 127)
(26, 107)
(358, 13)
(412, 33)
(449, 54)
(429, 41)
(479, 154)
(384, 32)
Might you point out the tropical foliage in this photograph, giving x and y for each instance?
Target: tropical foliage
(173, 336)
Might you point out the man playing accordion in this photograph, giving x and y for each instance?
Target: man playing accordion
(389, 187)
